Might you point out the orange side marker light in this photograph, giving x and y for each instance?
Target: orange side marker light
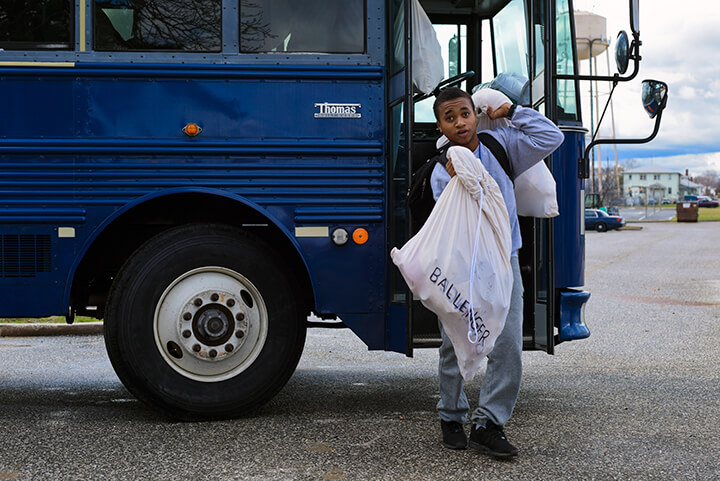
(192, 129)
(360, 236)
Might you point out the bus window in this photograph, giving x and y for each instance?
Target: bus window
(453, 44)
(566, 94)
(511, 49)
(37, 25)
(316, 26)
(397, 17)
(158, 25)
(396, 14)
(537, 87)
(487, 68)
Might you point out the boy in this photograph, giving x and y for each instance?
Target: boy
(532, 138)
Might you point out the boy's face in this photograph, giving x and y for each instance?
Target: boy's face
(458, 122)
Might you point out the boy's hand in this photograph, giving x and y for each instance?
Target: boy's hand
(501, 111)
(450, 169)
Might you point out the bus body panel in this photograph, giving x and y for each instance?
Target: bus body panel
(568, 231)
(268, 139)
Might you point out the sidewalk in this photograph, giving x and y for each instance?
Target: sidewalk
(50, 329)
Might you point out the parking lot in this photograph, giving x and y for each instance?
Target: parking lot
(651, 213)
(638, 400)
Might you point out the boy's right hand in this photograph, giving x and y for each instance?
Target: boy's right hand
(450, 169)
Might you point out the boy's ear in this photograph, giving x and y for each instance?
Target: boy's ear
(438, 125)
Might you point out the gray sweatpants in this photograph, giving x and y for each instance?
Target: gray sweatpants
(501, 385)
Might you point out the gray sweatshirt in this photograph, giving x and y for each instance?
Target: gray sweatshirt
(532, 138)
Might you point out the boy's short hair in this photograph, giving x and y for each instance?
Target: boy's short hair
(450, 93)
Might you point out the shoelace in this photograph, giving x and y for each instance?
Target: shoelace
(496, 432)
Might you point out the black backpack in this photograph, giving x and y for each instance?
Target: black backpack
(420, 199)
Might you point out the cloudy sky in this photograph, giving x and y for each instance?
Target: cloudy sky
(683, 50)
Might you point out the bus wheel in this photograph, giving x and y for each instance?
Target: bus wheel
(600, 227)
(202, 323)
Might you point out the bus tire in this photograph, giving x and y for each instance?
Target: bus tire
(202, 323)
(600, 227)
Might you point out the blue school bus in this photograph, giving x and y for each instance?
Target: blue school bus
(205, 175)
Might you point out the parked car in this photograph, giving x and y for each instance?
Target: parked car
(601, 221)
(705, 201)
(668, 200)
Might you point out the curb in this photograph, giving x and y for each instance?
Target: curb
(37, 329)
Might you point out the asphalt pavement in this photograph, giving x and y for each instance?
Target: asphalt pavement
(638, 400)
(648, 214)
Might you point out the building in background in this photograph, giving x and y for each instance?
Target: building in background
(688, 187)
(655, 183)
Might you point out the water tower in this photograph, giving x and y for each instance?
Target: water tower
(591, 38)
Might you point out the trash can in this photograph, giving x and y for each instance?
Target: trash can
(687, 211)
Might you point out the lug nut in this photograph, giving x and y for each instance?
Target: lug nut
(214, 297)
(231, 302)
(187, 316)
(239, 334)
(198, 302)
(187, 333)
(240, 316)
(213, 353)
(229, 348)
(197, 348)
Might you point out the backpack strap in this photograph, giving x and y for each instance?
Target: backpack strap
(498, 151)
(441, 155)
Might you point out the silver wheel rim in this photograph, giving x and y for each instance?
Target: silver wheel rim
(210, 324)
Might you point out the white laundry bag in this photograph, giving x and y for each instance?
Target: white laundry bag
(535, 192)
(535, 189)
(458, 264)
(428, 68)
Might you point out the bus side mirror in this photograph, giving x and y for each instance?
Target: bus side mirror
(635, 16)
(623, 45)
(622, 48)
(654, 96)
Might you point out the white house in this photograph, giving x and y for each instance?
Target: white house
(657, 183)
(688, 187)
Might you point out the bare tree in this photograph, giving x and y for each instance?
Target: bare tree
(609, 186)
(178, 24)
(631, 164)
(254, 32)
(710, 182)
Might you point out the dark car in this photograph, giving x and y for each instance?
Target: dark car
(601, 221)
(705, 201)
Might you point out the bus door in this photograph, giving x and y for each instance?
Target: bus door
(488, 41)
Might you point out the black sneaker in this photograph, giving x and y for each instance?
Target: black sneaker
(490, 439)
(453, 435)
